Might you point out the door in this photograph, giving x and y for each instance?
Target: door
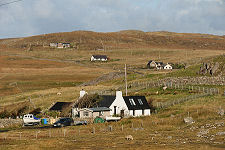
(122, 113)
(114, 110)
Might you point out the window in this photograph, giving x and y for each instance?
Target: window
(101, 113)
(132, 101)
(140, 101)
(86, 113)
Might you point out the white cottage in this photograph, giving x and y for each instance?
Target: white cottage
(99, 58)
(168, 67)
(130, 106)
(124, 106)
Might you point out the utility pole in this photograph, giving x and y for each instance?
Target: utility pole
(186, 54)
(126, 77)
(159, 54)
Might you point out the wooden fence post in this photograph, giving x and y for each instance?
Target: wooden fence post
(36, 134)
(93, 131)
(64, 133)
(110, 128)
(20, 135)
(50, 133)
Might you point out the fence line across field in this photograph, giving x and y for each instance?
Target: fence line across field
(178, 101)
(36, 134)
(137, 86)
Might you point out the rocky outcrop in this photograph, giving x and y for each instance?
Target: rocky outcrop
(213, 67)
(209, 68)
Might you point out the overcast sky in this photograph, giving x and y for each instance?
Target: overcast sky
(32, 17)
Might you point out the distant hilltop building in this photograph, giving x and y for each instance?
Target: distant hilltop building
(159, 65)
(99, 58)
(60, 45)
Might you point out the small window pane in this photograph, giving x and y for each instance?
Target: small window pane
(132, 102)
(86, 113)
(140, 101)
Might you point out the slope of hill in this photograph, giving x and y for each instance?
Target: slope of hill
(89, 40)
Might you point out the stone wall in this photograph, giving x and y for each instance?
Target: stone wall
(4, 123)
(195, 80)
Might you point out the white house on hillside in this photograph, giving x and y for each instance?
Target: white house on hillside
(99, 58)
(124, 106)
(129, 105)
(168, 67)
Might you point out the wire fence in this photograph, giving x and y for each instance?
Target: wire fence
(180, 100)
(138, 86)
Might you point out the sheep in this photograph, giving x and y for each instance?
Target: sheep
(129, 137)
(164, 88)
(59, 93)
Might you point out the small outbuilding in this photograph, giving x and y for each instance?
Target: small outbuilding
(154, 65)
(102, 112)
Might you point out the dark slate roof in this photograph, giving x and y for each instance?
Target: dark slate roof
(159, 63)
(149, 62)
(58, 106)
(98, 109)
(137, 105)
(100, 56)
(106, 101)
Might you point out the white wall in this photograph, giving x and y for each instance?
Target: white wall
(120, 104)
(92, 58)
(168, 67)
(139, 113)
(147, 112)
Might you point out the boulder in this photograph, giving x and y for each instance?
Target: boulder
(202, 132)
(221, 112)
(189, 120)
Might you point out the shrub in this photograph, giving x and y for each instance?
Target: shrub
(5, 114)
(150, 103)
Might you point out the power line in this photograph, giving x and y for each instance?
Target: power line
(10, 3)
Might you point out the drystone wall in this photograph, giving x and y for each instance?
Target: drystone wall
(10, 122)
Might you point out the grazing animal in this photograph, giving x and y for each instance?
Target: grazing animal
(164, 88)
(129, 137)
(59, 93)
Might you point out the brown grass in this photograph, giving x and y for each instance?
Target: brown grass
(165, 129)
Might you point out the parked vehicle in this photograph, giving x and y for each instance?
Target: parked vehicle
(64, 122)
(30, 119)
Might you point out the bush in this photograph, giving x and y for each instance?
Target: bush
(5, 114)
(178, 66)
(36, 111)
(150, 103)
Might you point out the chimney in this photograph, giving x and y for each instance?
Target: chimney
(119, 94)
(82, 93)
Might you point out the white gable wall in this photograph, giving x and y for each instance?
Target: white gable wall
(92, 58)
(120, 105)
(168, 67)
